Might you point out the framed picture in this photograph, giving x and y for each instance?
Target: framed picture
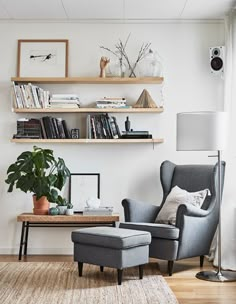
(42, 58)
(83, 186)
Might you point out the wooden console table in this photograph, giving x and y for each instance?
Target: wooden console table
(77, 220)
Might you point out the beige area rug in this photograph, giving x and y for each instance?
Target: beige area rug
(59, 283)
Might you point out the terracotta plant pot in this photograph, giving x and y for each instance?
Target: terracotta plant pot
(41, 206)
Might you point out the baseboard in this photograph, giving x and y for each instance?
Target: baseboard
(41, 251)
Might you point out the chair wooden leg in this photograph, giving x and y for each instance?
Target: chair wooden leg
(101, 268)
(119, 276)
(170, 267)
(140, 271)
(201, 260)
(80, 267)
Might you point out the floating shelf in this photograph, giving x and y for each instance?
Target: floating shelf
(91, 80)
(89, 141)
(90, 110)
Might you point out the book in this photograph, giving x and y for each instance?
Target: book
(98, 211)
(28, 128)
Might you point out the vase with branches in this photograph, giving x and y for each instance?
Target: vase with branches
(121, 53)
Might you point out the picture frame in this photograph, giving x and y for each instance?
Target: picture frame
(42, 58)
(83, 186)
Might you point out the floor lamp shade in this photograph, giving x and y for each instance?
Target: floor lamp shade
(201, 131)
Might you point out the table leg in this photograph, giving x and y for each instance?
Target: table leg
(21, 240)
(26, 238)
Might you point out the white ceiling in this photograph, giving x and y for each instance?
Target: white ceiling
(122, 10)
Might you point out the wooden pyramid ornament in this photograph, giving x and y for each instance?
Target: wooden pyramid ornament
(145, 101)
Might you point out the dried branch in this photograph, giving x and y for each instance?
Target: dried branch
(121, 53)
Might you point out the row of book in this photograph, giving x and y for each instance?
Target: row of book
(46, 127)
(102, 126)
(32, 96)
(111, 102)
(29, 96)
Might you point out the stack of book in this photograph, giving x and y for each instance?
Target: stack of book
(102, 126)
(98, 211)
(136, 134)
(64, 101)
(29, 96)
(111, 102)
(28, 128)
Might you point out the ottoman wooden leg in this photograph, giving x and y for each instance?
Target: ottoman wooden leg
(140, 271)
(101, 268)
(119, 276)
(80, 267)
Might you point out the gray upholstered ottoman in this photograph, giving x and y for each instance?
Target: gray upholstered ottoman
(111, 247)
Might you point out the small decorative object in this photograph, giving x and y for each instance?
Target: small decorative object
(151, 65)
(103, 63)
(74, 133)
(93, 202)
(127, 124)
(61, 205)
(145, 101)
(121, 54)
(40, 173)
(42, 58)
(53, 211)
(69, 210)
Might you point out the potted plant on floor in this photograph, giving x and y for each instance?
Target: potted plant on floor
(40, 173)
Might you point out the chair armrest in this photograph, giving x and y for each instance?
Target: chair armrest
(137, 211)
(190, 211)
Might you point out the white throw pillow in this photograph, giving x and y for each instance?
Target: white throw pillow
(176, 197)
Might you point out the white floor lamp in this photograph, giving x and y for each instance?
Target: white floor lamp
(206, 131)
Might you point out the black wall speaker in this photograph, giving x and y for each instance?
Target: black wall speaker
(217, 57)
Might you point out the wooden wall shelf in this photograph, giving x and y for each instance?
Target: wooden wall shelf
(89, 141)
(90, 110)
(90, 80)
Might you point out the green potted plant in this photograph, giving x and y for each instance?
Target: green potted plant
(40, 173)
(69, 210)
(61, 205)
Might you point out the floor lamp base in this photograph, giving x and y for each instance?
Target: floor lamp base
(214, 276)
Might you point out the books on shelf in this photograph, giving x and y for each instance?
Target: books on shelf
(46, 127)
(111, 102)
(98, 211)
(64, 101)
(29, 96)
(102, 126)
(135, 134)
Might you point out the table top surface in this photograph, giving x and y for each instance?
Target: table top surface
(75, 218)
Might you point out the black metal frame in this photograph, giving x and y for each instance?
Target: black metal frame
(27, 224)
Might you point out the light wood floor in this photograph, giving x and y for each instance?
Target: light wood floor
(186, 287)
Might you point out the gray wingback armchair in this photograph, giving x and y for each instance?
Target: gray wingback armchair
(193, 232)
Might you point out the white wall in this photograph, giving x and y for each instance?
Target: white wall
(126, 170)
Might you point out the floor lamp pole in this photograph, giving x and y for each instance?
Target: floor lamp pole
(219, 275)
